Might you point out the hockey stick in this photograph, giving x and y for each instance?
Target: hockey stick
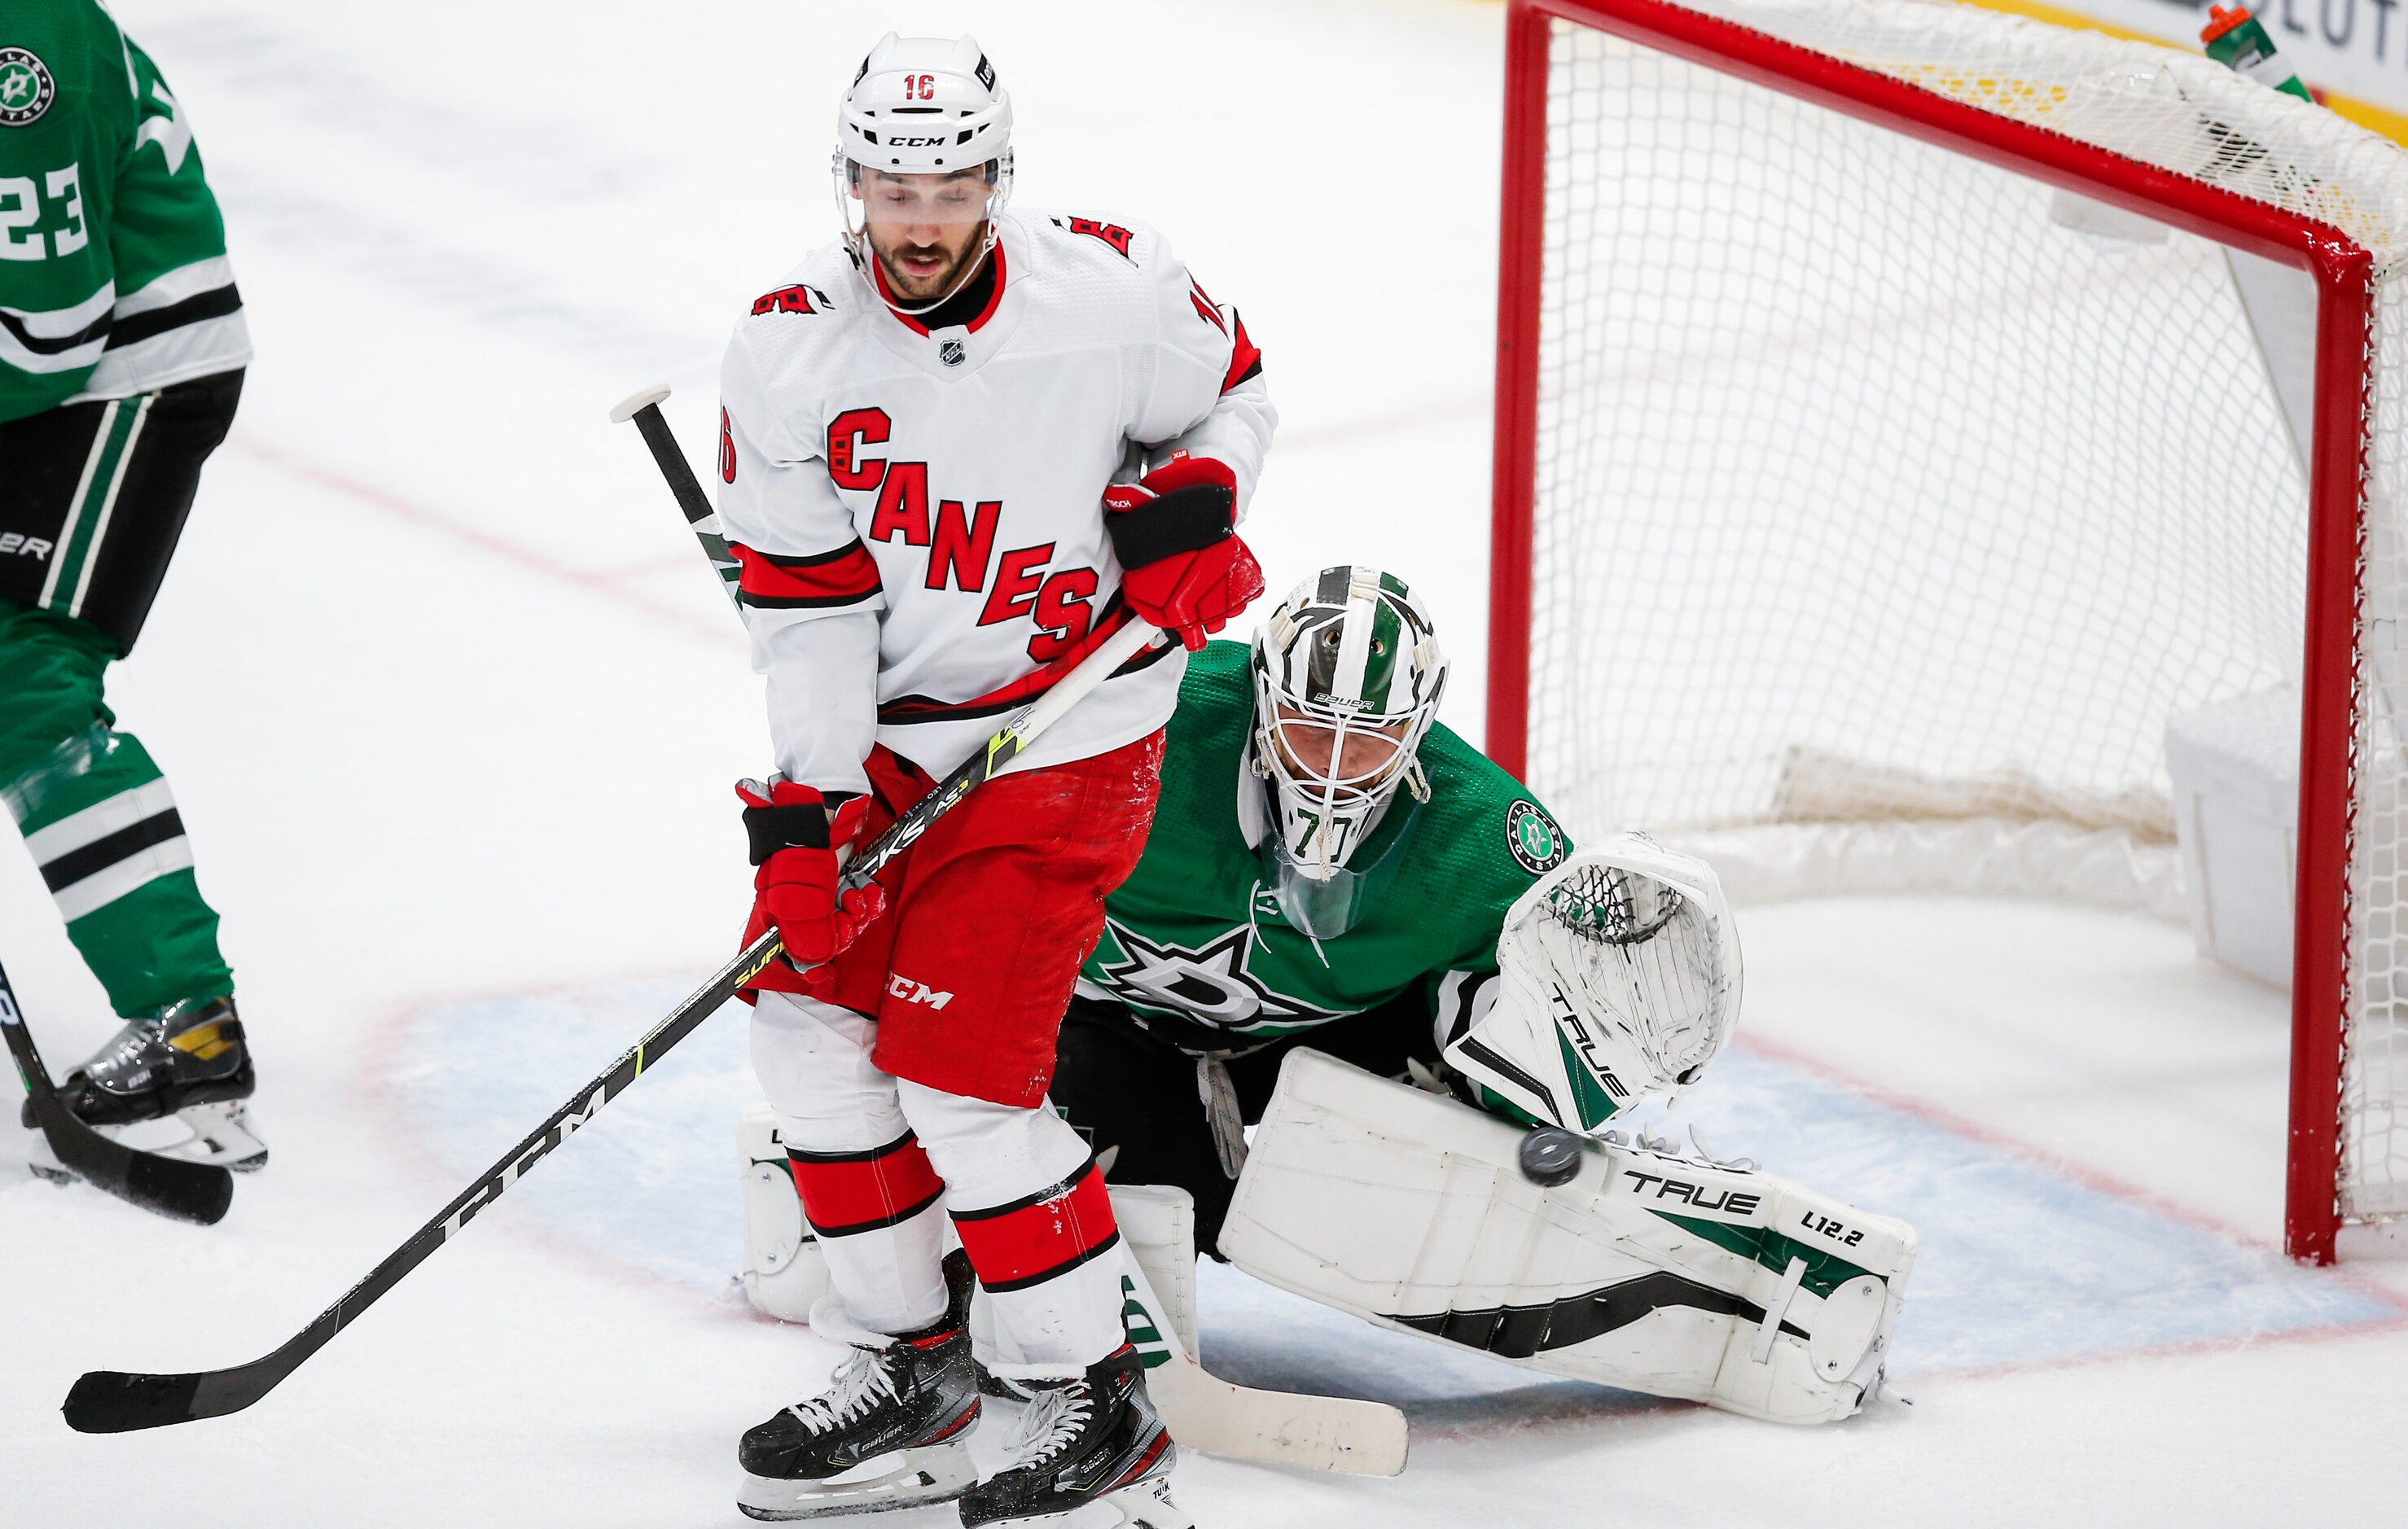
(117, 1402)
(1270, 1427)
(645, 409)
(1201, 1409)
(189, 1192)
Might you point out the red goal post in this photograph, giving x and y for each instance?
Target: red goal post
(1960, 112)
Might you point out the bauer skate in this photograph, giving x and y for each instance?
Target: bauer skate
(188, 1062)
(891, 1429)
(1090, 1453)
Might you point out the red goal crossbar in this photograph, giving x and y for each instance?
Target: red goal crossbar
(2343, 274)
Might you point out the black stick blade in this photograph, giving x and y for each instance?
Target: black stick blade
(114, 1402)
(192, 1192)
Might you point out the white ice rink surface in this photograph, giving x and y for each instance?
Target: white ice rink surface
(451, 709)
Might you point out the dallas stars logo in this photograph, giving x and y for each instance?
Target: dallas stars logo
(26, 88)
(1210, 985)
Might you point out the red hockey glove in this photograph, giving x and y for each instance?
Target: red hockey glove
(797, 835)
(1175, 532)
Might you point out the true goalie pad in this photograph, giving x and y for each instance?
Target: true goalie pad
(1618, 975)
(1648, 1271)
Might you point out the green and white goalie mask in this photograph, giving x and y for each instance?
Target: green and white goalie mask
(1347, 678)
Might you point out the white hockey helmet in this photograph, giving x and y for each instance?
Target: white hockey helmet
(923, 105)
(1347, 679)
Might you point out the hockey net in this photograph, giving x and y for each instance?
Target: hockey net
(1875, 482)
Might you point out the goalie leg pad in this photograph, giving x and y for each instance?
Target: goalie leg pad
(1647, 1271)
(784, 1271)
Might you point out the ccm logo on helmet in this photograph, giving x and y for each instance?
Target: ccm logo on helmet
(937, 142)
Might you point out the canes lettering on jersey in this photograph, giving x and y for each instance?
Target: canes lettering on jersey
(945, 485)
(959, 538)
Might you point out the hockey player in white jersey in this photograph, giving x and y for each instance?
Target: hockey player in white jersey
(958, 448)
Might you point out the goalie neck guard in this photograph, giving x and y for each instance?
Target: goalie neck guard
(924, 107)
(1347, 677)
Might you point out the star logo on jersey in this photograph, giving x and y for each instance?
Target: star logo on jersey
(1210, 985)
(1537, 843)
(26, 88)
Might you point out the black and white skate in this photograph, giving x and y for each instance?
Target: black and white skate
(892, 1430)
(1090, 1453)
(188, 1061)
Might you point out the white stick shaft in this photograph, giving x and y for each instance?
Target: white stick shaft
(1093, 671)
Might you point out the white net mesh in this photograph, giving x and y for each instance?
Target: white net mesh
(1888, 508)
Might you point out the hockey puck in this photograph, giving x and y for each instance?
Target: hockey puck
(1551, 1155)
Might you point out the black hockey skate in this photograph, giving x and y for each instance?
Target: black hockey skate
(1090, 1453)
(189, 1061)
(892, 1430)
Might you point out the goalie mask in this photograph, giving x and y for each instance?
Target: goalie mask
(1347, 678)
(927, 130)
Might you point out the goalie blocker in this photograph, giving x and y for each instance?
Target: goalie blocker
(1647, 1271)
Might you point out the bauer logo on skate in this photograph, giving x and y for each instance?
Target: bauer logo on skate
(910, 992)
(17, 544)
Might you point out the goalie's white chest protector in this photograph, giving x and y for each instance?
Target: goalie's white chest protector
(964, 467)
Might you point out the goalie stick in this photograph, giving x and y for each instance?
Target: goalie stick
(1202, 1411)
(189, 1192)
(117, 1401)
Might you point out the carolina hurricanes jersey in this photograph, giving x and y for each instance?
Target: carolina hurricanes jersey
(918, 513)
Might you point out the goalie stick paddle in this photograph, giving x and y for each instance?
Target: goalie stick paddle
(189, 1192)
(118, 1402)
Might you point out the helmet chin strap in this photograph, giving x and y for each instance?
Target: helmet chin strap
(970, 273)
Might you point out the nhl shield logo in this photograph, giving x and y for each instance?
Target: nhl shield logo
(26, 88)
(950, 352)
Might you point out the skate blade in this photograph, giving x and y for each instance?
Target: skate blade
(1144, 1506)
(215, 1135)
(907, 1479)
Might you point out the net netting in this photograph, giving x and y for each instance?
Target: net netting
(1890, 503)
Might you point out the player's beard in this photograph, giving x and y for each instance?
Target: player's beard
(952, 279)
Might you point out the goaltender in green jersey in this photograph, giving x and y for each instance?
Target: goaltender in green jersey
(1328, 873)
(1355, 934)
(121, 355)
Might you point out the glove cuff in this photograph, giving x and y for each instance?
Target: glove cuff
(797, 826)
(1185, 520)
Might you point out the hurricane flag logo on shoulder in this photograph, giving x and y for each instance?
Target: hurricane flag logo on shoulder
(26, 88)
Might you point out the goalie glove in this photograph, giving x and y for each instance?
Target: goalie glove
(1618, 976)
(799, 839)
(1175, 532)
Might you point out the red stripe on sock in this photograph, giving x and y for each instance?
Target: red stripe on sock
(1027, 1242)
(856, 1194)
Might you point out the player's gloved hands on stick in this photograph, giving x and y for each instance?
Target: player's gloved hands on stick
(796, 837)
(1175, 532)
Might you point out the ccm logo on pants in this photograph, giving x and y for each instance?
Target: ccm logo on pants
(917, 993)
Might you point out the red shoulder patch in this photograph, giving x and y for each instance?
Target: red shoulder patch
(1112, 233)
(796, 299)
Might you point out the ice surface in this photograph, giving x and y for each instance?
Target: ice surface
(450, 710)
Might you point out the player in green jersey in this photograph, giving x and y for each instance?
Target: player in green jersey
(121, 357)
(1330, 867)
